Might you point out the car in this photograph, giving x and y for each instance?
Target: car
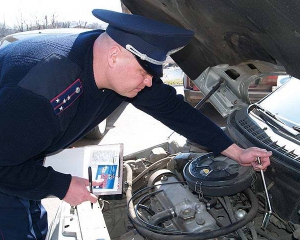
(179, 190)
(96, 133)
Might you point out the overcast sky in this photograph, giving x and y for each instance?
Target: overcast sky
(65, 10)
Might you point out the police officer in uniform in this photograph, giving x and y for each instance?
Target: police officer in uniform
(55, 89)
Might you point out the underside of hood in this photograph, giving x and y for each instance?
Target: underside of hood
(230, 31)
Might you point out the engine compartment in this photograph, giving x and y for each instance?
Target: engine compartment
(179, 190)
(191, 195)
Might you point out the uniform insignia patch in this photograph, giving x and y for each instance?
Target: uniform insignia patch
(67, 97)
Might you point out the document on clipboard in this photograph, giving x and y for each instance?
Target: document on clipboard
(106, 162)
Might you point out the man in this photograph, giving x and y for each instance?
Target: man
(55, 89)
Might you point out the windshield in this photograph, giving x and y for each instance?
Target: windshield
(285, 102)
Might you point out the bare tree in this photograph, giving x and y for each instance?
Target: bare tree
(2, 29)
(46, 22)
(54, 22)
(20, 24)
(80, 24)
(96, 26)
(66, 24)
(37, 24)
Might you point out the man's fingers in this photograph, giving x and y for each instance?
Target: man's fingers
(94, 183)
(93, 198)
(260, 166)
(256, 166)
(264, 165)
(98, 182)
(264, 153)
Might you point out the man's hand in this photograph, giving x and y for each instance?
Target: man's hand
(248, 157)
(78, 192)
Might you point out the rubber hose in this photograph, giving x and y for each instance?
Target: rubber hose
(129, 190)
(151, 167)
(253, 231)
(265, 234)
(160, 217)
(232, 217)
(147, 209)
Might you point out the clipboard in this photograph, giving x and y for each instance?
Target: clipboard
(106, 162)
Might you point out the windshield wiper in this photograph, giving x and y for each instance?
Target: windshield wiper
(267, 112)
(273, 120)
(297, 128)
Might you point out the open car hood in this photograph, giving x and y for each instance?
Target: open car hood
(236, 42)
(230, 32)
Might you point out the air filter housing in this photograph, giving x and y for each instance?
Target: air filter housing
(217, 176)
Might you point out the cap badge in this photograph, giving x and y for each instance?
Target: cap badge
(142, 55)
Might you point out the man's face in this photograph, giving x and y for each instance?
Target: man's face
(129, 77)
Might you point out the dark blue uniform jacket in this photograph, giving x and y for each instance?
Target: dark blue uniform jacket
(49, 99)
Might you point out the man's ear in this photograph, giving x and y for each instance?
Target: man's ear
(113, 54)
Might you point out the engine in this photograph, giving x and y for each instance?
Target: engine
(182, 207)
(193, 196)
